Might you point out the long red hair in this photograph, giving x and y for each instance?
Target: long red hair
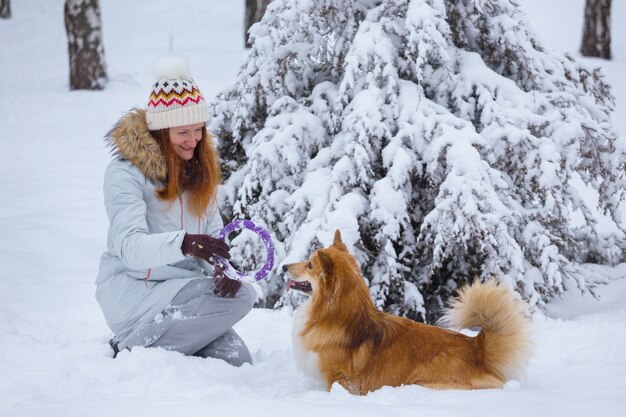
(200, 176)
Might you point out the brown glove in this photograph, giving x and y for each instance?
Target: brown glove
(224, 286)
(205, 247)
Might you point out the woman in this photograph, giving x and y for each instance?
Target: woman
(156, 285)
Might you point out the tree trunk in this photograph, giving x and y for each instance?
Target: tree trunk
(254, 12)
(597, 29)
(86, 52)
(5, 9)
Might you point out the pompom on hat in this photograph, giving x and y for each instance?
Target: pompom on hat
(175, 99)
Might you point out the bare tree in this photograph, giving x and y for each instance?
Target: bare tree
(86, 52)
(5, 9)
(597, 29)
(254, 12)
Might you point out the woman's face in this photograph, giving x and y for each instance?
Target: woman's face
(185, 138)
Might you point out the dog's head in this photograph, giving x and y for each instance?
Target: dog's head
(325, 271)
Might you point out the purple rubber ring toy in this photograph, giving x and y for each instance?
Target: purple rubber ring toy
(269, 247)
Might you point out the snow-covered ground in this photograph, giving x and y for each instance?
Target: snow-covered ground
(54, 357)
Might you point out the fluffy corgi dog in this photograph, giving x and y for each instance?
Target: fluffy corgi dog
(340, 336)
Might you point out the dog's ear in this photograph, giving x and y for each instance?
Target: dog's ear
(326, 263)
(338, 243)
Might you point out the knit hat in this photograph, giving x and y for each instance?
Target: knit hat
(175, 99)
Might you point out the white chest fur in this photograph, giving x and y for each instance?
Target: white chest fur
(306, 360)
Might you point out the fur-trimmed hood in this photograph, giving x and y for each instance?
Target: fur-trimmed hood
(130, 139)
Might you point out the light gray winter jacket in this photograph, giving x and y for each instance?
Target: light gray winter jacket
(143, 267)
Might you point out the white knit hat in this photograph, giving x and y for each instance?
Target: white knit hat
(175, 99)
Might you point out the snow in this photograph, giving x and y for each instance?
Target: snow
(54, 356)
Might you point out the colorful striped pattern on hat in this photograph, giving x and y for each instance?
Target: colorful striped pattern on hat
(172, 93)
(175, 102)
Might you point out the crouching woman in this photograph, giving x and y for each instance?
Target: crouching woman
(157, 285)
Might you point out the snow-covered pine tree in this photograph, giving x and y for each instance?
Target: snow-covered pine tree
(565, 135)
(439, 136)
(278, 118)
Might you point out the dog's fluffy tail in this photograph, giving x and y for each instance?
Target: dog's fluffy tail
(505, 337)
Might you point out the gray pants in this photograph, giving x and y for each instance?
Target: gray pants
(198, 322)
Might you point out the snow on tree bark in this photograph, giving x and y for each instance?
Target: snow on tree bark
(254, 12)
(597, 29)
(5, 9)
(438, 136)
(86, 51)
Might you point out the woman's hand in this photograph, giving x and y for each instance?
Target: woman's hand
(209, 248)
(224, 286)
(205, 247)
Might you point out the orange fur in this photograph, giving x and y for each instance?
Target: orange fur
(364, 349)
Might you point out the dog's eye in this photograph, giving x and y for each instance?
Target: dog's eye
(309, 265)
